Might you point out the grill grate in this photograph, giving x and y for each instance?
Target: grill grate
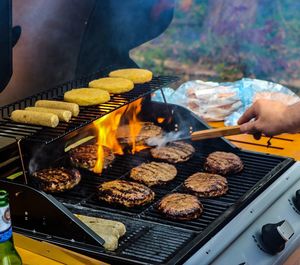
(157, 244)
(144, 241)
(39, 134)
(85, 194)
(160, 242)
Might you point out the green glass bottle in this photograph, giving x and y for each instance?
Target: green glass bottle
(8, 253)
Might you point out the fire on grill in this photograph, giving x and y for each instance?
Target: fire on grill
(112, 134)
(123, 182)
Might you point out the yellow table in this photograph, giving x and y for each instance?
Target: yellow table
(283, 145)
(30, 258)
(34, 252)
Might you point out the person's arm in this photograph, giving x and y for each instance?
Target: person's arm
(270, 118)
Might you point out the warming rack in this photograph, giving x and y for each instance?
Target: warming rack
(87, 115)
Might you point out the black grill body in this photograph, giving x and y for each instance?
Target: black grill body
(150, 238)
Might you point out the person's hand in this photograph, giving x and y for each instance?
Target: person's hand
(266, 117)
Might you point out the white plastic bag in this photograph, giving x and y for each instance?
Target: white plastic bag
(251, 90)
(225, 101)
(277, 96)
(209, 100)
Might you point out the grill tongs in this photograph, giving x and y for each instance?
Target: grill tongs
(195, 136)
(215, 133)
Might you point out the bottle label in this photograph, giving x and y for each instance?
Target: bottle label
(5, 224)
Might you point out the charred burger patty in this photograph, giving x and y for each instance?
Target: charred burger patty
(153, 173)
(173, 152)
(126, 193)
(180, 206)
(206, 184)
(57, 179)
(85, 156)
(223, 163)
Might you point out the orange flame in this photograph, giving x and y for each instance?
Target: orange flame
(160, 119)
(134, 124)
(108, 125)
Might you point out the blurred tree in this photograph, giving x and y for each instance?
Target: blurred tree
(226, 19)
(225, 40)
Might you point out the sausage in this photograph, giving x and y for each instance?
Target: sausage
(111, 241)
(33, 117)
(120, 227)
(63, 115)
(109, 230)
(53, 104)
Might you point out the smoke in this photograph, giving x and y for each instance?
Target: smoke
(46, 156)
(167, 138)
(35, 160)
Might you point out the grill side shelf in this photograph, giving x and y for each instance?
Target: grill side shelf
(38, 211)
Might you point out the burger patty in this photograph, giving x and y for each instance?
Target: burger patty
(174, 152)
(223, 163)
(153, 173)
(85, 156)
(180, 206)
(148, 130)
(125, 193)
(206, 184)
(57, 179)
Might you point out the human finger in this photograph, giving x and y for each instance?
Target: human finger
(249, 127)
(248, 115)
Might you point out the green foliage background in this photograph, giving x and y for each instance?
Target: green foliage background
(200, 45)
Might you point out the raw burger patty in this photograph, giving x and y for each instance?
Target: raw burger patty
(85, 156)
(87, 96)
(153, 173)
(173, 152)
(136, 75)
(206, 184)
(147, 131)
(180, 206)
(125, 193)
(223, 163)
(113, 85)
(57, 179)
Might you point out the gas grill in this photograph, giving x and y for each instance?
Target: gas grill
(150, 238)
(228, 232)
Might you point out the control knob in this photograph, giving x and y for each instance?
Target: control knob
(274, 236)
(296, 200)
